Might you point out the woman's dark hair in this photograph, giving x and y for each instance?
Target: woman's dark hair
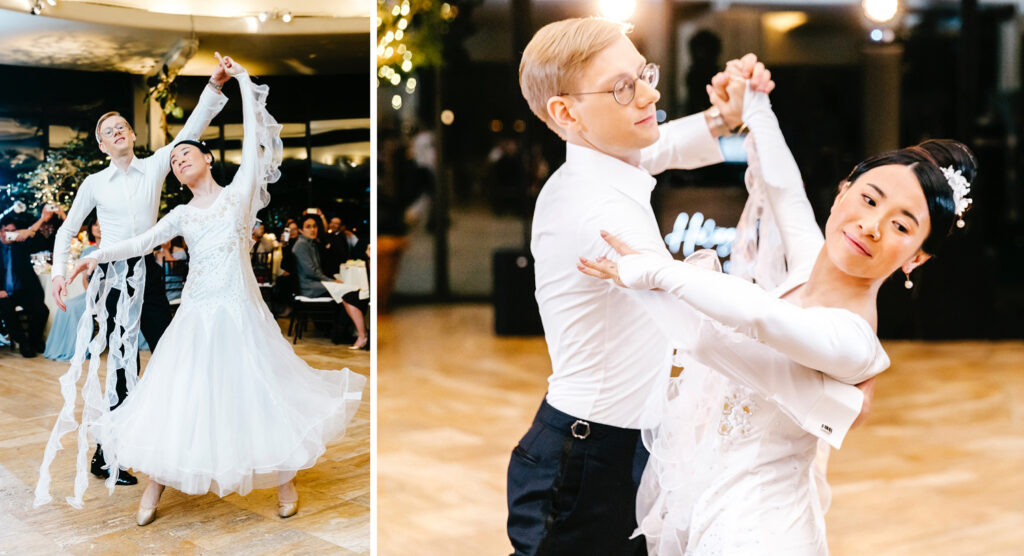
(203, 148)
(89, 221)
(926, 160)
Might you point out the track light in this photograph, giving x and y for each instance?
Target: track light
(263, 16)
(286, 17)
(51, 2)
(37, 8)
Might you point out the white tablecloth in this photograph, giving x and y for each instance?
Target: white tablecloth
(353, 277)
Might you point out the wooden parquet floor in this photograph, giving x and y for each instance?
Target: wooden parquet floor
(334, 511)
(938, 469)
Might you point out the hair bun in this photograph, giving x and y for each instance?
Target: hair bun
(948, 152)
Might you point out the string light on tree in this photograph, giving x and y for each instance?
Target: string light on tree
(410, 36)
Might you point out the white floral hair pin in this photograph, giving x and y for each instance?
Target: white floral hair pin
(961, 188)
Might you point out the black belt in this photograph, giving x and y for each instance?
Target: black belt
(581, 428)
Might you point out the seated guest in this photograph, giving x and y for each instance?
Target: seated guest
(307, 259)
(173, 250)
(310, 273)
(308, 267)
(20, 287)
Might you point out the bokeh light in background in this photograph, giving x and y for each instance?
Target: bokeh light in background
(617, 10)
(881, 11)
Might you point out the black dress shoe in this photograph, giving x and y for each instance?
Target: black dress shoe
(39, 346)
(124, 478)
(26, 350)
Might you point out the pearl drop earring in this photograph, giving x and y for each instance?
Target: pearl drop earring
(908, 284)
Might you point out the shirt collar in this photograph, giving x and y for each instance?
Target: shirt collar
(135, 164)
(634, 182)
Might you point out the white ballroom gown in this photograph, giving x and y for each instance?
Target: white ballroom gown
(225, 405)
(732, 470)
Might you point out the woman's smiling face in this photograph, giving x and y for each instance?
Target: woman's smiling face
(878, 223)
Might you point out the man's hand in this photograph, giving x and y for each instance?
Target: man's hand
(59, 290)
(23, 235)
(868, 389)
(3, 294)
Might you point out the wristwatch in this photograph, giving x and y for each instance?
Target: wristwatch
(717, 123)
(215, 85)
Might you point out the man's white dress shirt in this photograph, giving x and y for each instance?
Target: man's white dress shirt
(606, 350)
(127, 202)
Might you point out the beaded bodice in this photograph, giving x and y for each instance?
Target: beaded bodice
(218, 240)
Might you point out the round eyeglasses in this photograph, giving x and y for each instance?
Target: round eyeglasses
(625, 88)
(110, 131)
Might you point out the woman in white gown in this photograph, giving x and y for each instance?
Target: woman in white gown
(225, 404)
(732, 469)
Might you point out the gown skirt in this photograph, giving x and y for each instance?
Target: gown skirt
(225, 405)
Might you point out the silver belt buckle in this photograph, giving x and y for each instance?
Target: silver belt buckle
(580, 424)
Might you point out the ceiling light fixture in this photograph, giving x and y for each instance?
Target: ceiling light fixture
(286, 17)
(37, 8)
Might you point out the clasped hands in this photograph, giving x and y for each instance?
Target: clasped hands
(226, 69)
(725, 92)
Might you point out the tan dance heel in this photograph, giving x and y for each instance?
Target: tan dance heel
(145, 515)
(287, 508)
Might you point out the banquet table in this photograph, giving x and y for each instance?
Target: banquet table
(353, 277)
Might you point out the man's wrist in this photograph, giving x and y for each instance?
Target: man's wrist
(214, 85)
(718, 125)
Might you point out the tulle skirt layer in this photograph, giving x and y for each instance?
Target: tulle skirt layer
(225, 405)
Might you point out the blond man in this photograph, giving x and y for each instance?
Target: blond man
(572, 479)
(126, 196)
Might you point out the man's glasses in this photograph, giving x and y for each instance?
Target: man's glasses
(625, 88)
(110, 131)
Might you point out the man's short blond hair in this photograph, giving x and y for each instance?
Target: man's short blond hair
(106, 117)
(557, 54)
